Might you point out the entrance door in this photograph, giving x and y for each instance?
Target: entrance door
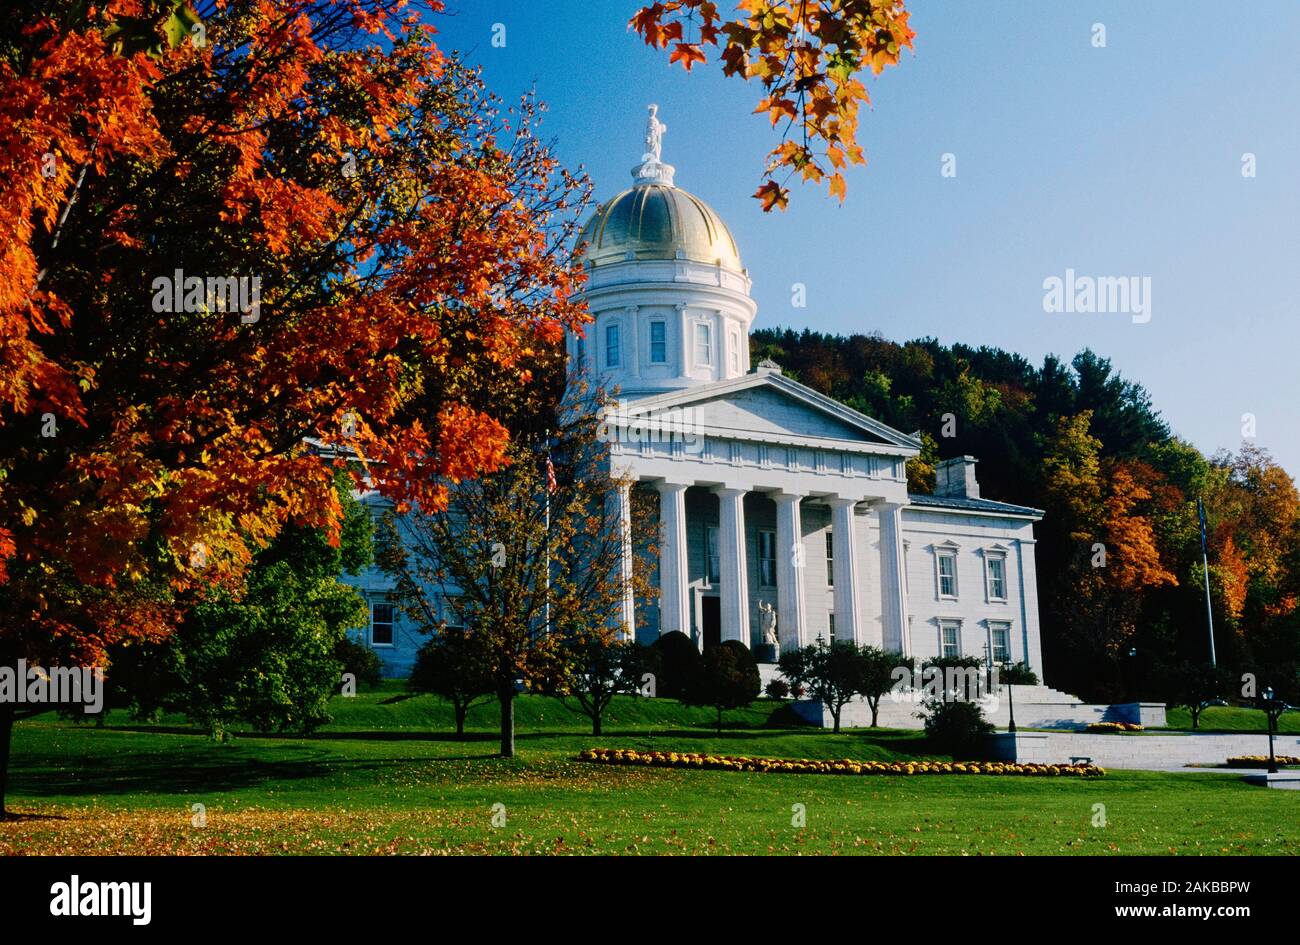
(711, 620)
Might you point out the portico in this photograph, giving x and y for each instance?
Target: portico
(785, 519)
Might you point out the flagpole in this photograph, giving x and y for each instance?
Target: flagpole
(550, 477)
(1205, 569)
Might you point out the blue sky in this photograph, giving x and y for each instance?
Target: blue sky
(1120, 161)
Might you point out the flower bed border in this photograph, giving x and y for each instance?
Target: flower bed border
(843, 766)
(1260, 761)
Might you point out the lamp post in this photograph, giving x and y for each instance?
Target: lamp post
(1270, 712)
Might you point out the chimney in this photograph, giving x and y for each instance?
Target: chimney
(955, 478)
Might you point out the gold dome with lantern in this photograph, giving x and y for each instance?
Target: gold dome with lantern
(654, 220)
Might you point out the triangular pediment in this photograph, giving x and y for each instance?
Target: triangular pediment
(760, 406)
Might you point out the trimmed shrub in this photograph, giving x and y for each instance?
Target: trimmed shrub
(676, 664)
(777, 689)
(956, 728)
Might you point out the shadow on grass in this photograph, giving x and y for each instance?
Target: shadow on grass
(15, 816)
(375, 735)
(220, 769)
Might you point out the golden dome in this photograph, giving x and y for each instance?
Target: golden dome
(658, 221)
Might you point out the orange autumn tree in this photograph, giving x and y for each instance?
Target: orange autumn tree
(1109, 512)
(1253, 508)
(378, 249)
(808, 55)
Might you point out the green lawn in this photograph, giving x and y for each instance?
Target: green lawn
(386, 776)
(1233, 719)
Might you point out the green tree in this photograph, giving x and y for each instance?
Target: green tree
(269, 657)
(525, 564)
(454, 665)
(831, 673)
(728, 679)
(1195, 687)
(597, 671)
(877, 676)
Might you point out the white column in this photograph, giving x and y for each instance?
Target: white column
(627, 600)
(1030, 633)
(674, 600)
(791, 596)
(733, 569)
(844, 540)
(893, 579)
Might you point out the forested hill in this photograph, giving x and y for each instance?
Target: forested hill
(1088, 446)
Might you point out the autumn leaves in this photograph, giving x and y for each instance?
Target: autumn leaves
(807, 55)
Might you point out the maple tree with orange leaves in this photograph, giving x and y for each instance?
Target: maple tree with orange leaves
(808, 55)
(409, 236)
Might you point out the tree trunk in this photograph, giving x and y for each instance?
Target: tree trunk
(875, 711)
(595, 722)
(719, 720)
(836, 716)
(461, 711)
(507, 696)
(7, 713)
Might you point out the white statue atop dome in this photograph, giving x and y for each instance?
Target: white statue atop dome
(652, 169)
(654, 137)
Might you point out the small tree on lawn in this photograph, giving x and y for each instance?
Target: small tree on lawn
(597, 671)
(453, 665)
(832, 674)
(525, 560)
(1195, 686)
(728, 679)
(877, 676)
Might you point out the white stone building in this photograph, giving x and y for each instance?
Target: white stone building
(771, 493)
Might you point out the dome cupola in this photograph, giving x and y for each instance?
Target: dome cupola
(668, 295)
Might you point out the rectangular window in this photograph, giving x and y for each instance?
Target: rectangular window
(951, 638)
(735, 353)
(612, 353)
(830, 559)
(658, 343)
(703, 345)
(997, 566)
(451, 615)
(1001, 635)
(830, 619)
(767, 559)
(947, 574)
(381, 624)
(713, 572)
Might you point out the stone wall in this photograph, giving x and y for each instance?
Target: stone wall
(1136, 751)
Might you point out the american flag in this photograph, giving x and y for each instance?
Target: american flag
(551, 483)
